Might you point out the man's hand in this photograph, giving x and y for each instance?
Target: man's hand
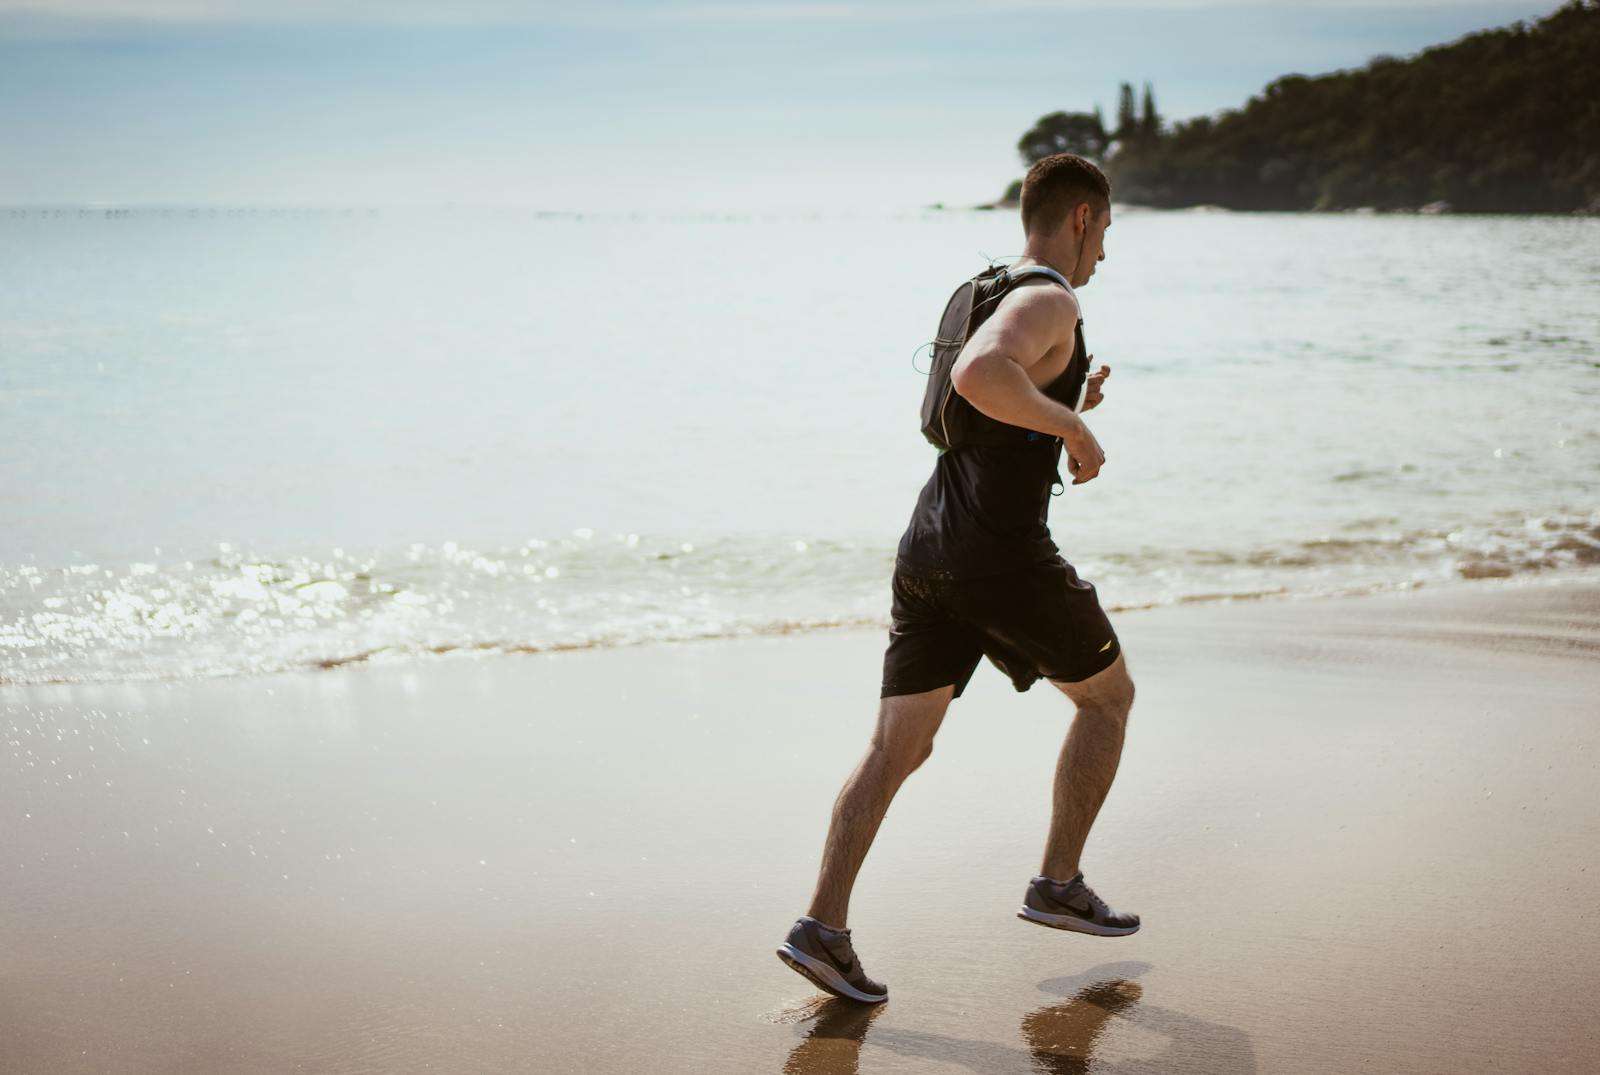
(1084, 457)
(1097, 387)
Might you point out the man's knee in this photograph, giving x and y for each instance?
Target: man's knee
(903, 738)
(1117, 699)
(1107, 693)
(902, 754)
(1107, 712)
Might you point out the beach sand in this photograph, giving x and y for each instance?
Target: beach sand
(1361, 833)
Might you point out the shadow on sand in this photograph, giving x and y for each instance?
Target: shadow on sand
(1060, 1038)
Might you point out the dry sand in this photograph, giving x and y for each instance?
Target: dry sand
(1361, 832)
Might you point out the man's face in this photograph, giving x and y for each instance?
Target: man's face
(1093, 250)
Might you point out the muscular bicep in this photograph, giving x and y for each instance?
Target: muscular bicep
(1027, 325)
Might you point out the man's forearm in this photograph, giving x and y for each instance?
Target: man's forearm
(1001, 389)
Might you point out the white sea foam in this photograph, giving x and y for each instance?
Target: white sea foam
(234, 614)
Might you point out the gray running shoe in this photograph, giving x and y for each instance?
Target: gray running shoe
(827, 958)
(1073, 905)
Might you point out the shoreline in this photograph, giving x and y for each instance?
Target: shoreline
(389, 657)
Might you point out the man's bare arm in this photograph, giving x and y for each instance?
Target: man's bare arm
(991, 372)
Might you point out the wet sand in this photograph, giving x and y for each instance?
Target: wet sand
(1361, 833)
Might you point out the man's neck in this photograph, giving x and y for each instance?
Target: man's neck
(1030, 255)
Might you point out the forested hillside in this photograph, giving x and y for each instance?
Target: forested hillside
(1506, 120)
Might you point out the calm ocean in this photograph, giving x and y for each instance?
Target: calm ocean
(234, 442)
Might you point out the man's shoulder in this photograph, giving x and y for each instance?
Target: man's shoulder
(1040, 297)
(1043, 289)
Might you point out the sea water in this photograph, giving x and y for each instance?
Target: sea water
(236, 441)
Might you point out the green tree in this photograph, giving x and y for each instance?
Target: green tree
(1127, 117)
(1082, 133)
(1150, 120)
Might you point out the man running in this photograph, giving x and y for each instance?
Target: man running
(977, 575)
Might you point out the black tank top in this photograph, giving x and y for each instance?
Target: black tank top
(985, 509)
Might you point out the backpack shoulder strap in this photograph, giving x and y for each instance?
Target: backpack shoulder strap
(1013, 276)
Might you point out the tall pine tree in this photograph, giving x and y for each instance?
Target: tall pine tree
(1150, 122)
(1127, 118)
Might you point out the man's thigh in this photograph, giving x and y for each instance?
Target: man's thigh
(930, 648)
(1042, 622)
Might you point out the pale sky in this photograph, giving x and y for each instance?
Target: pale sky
(619, 105)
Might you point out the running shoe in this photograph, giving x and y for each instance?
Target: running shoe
(826, 957)
(1073, 905)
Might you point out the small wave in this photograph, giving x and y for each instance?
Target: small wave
(1511, 546)
(1361, 474)
(240, 613)
(752, 630)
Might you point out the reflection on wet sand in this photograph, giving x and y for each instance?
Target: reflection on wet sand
(833, 1045)
(1062, 1037)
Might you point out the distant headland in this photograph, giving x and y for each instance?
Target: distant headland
(1500, 121)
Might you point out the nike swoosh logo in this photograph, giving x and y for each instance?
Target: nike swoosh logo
(1073, 909)
(846, 967)
(1105, 647)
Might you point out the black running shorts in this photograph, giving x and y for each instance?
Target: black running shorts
(1039, 622)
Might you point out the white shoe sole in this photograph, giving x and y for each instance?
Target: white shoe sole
(825, 976)
(1073, 923)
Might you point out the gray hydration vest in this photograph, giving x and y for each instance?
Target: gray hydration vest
(948, 420)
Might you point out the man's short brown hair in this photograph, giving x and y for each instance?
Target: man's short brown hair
(1056, 184)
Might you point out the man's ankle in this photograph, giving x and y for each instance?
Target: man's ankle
(827, 922)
